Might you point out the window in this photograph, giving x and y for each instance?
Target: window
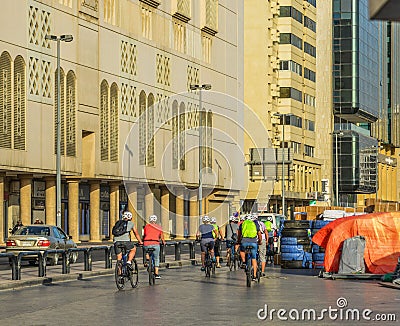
(288, 11)
(309, 100)
(178, 135)
(206, 42)
(147, 22)
(294, 120)
(290, 92)
(310, 24)
(288, 38)
(308, 48)
(110, 11)
(308, 150)
(309, 125)
(312, 2)
(296, 147)
(179, 36)
(291, 65)
(309, 74)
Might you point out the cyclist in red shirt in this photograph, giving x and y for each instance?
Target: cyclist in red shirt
(151, 239)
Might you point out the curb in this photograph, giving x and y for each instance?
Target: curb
(35, 281)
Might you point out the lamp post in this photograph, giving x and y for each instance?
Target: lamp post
(64, 38)
(200, 88)
(283, 117)
(337, 166)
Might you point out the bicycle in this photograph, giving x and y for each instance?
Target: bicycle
(232, 256)
(249, 270)
(151, 269)
(209, 263)
(125, 273)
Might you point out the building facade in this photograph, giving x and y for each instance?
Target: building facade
(127, 73)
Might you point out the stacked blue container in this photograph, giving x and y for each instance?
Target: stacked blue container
(318, 253)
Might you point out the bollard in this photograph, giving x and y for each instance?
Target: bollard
(66, 267)
(162, 253)
(88, 260)
(109, 257)
(41, 266)
(192, 250)
(177, 251)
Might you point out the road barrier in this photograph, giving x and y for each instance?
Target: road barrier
(42, 257)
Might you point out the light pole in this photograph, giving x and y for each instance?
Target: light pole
(283, 117)
(64, 38)
(200, 88)
(337, 166)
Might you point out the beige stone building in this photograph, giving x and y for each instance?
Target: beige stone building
(129, 121)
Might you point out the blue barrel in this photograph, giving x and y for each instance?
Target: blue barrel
(292, 248)
(288, 241)
(318, 256)
(292, 256)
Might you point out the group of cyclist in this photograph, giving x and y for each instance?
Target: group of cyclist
(245, 232)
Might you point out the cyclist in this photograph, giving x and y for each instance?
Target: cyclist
(218, 236)
(231, 235)
(262, 249)
(125, 239)
(151, 239)
(249, 235)
(206, 234)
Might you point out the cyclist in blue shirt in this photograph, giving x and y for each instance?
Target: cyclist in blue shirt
(206, 234)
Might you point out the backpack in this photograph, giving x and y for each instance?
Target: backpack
(120, 228)
(249, 229)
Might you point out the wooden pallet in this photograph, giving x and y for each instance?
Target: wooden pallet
(389, 285)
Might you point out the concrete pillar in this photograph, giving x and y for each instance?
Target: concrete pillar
(131, 190)
(3, 226)
(73, 208)
(94, 211)
(194, 214)
(149, 206)
(179, 208)
(165, 212)
(114, 204)
(50, 200)
(26, 199)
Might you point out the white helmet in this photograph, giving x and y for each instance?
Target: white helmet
(153, 218)
(231, 218)
(243, 217)
(206, 219)
(249, 217)
(235, 219)
(213, 220)
(127, 215)
(269, 218)
(253, 217)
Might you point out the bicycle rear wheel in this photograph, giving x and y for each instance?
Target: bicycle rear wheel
(230, 261)
(134, 274)
(119, 278)
(208, 267)
(213, 264)
(249, 272)
(150, 270)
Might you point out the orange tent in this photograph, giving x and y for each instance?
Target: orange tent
(382, 235)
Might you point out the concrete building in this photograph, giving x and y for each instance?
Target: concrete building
(129, 67)
(281, 74)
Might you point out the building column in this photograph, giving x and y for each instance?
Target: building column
(180, 206)
(50, 200)
(148, 205)
(3, 227)
(194, 214)
(26, 199)
(114, 204)
(94, 211)
(73, 209)
(131, 191)
(164, 218)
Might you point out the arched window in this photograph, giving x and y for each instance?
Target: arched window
(142, 128)
(70, 114)
(150, 130)
(182, 140)
(19, 103)
(175, 139)
(104, 116)
(62, 111)
(209, 140)
(5, 100)
(114, 119)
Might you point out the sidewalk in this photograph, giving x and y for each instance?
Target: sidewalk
(54, 273)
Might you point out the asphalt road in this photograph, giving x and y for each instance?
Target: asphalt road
(185, 297)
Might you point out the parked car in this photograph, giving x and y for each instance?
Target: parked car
(40, 237)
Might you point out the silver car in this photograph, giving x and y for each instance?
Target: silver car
(40, 237)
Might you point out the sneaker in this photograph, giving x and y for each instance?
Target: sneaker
(263, 274)
(203, 268)
(146, 263)
(157, 276)
(254, 279)
(242, 265)
(218, 266)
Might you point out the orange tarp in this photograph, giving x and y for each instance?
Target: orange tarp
(382, 235)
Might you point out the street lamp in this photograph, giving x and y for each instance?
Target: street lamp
(283, 117)
(200, 88)
(337, 166)
(64, 38)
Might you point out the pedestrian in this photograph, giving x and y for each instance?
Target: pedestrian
(17, 226)
(218, 236)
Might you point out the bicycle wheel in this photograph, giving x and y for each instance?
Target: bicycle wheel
(150, 270)
(258, 270)
(249, 272)
(208, 267)
(230, 261)
(119, 278)
(134, 274)
(213, 264)
(235, 261)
